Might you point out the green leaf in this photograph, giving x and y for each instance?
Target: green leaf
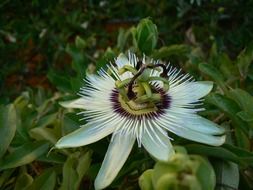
(211, 71)
(79, 61)
(245, 116)
(243, 99)
(244, 60)
(5, 175)
(43, 133)
(242, 138)
(52, 158)
(24, 155)
(83, 165)
(177, 49)
(227, 175)
(70, 123)
(238, 151)
(70, 175)
(74, 169)
(218, 152)
(225, 104)
(214, 73)
(229, 107)
(226, 152)
(227, 67)
(46, 181)
(60, 80)
(47, 120)
(7, 127)
(24, 180)
(122, 38)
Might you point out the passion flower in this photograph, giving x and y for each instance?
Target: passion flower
(140, 100)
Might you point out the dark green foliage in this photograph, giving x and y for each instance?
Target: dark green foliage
(48, 47)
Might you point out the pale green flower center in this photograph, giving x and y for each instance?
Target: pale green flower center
(137, 95)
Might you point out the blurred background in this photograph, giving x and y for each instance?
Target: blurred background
(37, 37)
(48, 47)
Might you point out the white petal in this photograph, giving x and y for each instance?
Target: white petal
(116, 155)
(190, 134)
(203, 138)
(77, 103)
(85, 135)
(202, 125)
(194, 122)
(161, 151)
(189, 92)
(121, 60)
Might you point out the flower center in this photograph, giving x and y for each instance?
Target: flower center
(135, 109)
(138, 96)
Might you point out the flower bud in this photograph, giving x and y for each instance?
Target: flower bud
(183, 171)
(145, 36)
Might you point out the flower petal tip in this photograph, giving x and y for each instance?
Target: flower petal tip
(220, 141)
(60, 144)
(167, 157)
(100, 185)
(77, 103)
(208, 85)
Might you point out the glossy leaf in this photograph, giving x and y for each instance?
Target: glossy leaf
(227, 67)
(242, 139)
(59, 80)
(178, 49)
(122, 38)
(244, 60)
(244, 100)
(52, 158)
(211, 71)
(46, 120)
(7, 127)
(24, 155)
(46, 181)
(43, 133)
(228, 106)
(222, 153)
(74, 169)
(227, 175)
(214, 73)
(24, 180)
(4, 177)
(245, 116)
(218, 152)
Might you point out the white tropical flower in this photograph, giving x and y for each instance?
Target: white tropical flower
(140, 100)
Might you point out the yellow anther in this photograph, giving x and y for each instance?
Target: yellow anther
(147, 89)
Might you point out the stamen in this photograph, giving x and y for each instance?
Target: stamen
(131, 94)
(126, 68)
(137, 96)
